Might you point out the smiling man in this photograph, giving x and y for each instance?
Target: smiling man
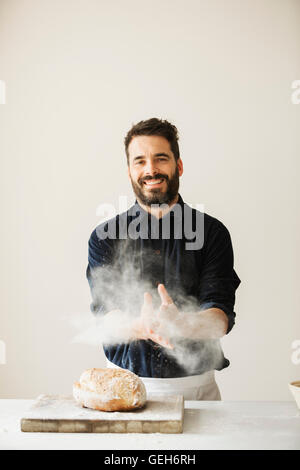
(153, 170)
(182, 294)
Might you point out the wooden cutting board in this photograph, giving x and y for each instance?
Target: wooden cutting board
(57, 413)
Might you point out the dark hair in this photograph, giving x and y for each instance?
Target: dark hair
(154, 126)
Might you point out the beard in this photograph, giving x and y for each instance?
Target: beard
(157, 195)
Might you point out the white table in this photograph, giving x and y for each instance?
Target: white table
(207, 425)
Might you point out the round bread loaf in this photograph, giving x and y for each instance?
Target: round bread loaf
(110, 390)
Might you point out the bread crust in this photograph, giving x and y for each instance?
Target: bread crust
(110, 390)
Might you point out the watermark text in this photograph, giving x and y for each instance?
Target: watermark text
(178, 221)
(2, 352)
(295, 357)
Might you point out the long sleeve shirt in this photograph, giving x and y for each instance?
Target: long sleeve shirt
(135, 254)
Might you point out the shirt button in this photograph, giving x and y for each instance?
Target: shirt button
(157, 252)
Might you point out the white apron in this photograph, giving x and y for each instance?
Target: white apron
(193, 387)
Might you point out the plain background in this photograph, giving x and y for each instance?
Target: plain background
(78, 74)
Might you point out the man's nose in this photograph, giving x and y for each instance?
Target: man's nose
(150, 168)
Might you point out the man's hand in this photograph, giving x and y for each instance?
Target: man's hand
(205, 324)
(147, 325)
(168, 315)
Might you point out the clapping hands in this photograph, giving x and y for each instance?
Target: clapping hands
(156, 325)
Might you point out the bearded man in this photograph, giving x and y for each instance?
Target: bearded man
(173, 271)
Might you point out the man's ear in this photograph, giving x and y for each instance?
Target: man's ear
(180, 166)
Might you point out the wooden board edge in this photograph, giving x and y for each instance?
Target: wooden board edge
(87, 426)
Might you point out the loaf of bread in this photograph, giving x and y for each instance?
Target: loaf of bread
(110, 390)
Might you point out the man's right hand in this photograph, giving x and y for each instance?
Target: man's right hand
(147, 323)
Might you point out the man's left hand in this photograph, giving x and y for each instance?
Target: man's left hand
(168, 314)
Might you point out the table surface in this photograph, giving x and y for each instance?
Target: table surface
(207, 425)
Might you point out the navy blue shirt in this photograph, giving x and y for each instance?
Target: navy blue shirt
(136, 255)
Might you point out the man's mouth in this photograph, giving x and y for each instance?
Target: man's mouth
(153, 183)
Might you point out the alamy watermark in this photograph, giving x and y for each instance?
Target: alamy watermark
(295, 357)
(2, 352)
(295, 97)
(188, 223)
(2, 92)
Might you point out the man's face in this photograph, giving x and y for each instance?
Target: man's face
(152, 169)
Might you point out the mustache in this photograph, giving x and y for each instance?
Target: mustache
(159, 176)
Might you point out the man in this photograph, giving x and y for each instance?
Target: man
(181, 296)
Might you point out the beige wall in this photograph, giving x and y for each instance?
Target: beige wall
(78, 73)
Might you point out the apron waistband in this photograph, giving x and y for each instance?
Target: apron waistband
(178, 383)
